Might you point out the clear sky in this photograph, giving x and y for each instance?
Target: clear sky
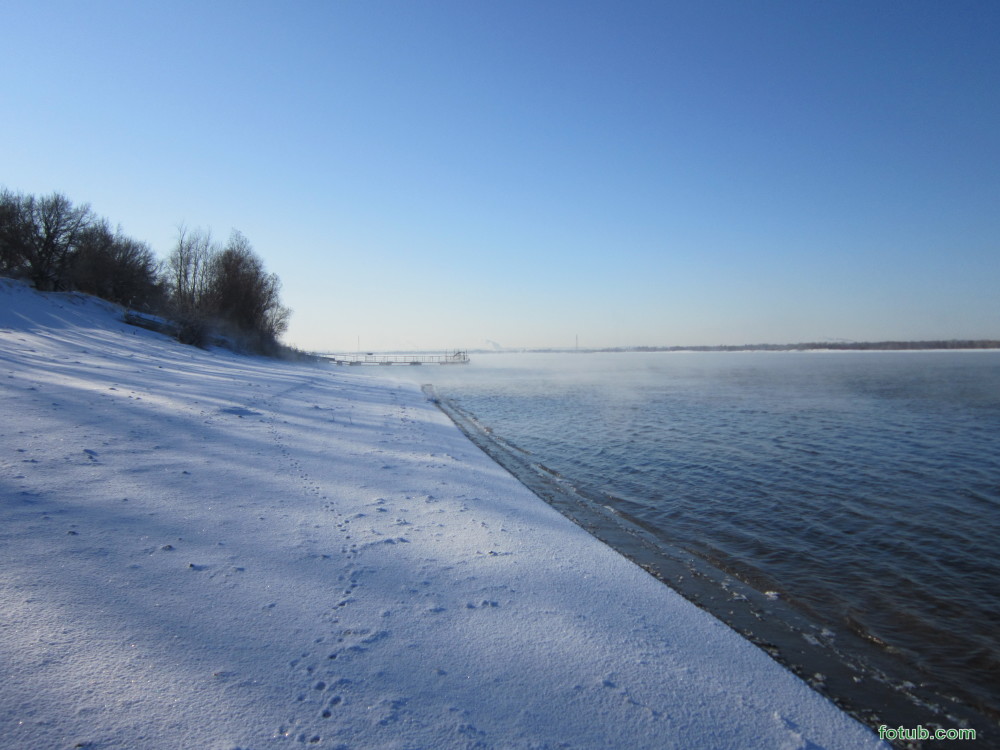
(431, 174)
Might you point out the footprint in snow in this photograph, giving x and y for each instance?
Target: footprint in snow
(239, 411)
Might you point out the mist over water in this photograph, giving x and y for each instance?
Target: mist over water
(863, 486)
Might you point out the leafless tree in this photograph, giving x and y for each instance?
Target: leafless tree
(116, 267)
(244, 295)
(187, 269)
(11, 256)
(39, 236)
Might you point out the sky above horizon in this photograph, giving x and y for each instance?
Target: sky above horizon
(436, 175)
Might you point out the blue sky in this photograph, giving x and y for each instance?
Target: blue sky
(427, 175)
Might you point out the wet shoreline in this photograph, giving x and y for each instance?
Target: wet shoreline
(861, 677)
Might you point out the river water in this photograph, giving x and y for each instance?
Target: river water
(861, 487)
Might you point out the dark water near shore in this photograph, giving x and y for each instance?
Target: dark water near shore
(864, 487)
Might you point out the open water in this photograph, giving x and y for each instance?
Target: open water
(864, 487)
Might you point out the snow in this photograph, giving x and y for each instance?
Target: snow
(205, 550)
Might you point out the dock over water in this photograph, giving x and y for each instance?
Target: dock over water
(456, 358)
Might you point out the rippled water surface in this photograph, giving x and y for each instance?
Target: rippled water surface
(864, 486)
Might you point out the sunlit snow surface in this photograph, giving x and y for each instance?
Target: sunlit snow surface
(203, 550)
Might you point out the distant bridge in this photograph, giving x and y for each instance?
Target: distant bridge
(457, 358)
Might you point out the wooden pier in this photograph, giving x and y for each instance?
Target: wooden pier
(457, 358)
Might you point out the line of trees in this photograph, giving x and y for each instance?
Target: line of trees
(886, 346)
(205, 287)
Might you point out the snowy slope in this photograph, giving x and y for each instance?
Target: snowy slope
(200, 550)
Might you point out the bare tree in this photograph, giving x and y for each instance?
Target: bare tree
(276, 320)
(244, 295)
(187, 270)
(40, 236)
(135, 282)
(12, 261)
(116, 267)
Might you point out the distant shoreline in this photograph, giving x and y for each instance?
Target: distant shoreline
(845, 346)
(864, 346)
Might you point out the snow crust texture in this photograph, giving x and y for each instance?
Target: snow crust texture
(203, 550)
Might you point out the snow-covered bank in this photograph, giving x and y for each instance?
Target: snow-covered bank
(199, 550)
